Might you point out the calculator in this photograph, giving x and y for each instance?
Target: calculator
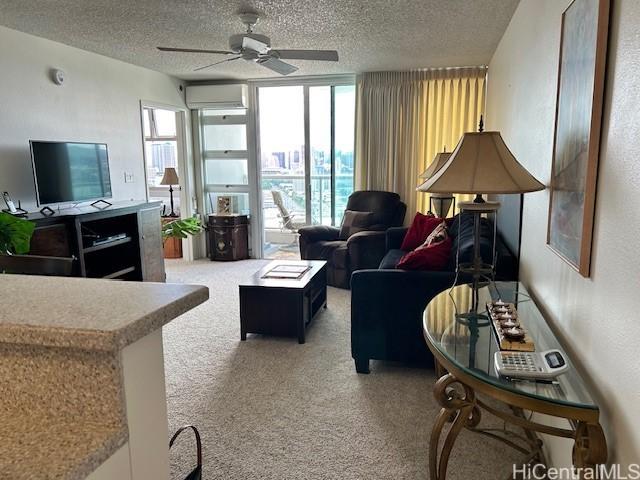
(531, 365)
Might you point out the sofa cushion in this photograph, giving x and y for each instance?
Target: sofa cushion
(354, 222)
(461, 231)
(391, 259)
(432, 257)
(437, 235)
(419, 230)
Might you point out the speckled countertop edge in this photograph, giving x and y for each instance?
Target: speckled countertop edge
(99, 339)
(105, 439)
(112, 443)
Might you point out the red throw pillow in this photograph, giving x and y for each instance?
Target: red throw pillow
(432, 257)
(419, 230)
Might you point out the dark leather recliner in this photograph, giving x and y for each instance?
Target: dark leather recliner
(361, 250)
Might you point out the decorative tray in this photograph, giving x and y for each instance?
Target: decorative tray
(511, 333)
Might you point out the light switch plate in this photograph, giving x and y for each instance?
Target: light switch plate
(128, 177)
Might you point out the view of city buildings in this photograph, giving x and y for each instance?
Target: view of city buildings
(282, 153)
(160, 154)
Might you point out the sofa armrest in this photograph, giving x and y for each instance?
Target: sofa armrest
(366, 249)
(313, 234)
(317, 233)
(395, 236)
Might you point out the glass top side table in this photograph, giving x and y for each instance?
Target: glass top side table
(460, 335)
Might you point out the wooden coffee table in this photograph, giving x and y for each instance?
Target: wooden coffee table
(283, 307)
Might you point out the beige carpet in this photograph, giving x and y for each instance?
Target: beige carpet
(269, 408)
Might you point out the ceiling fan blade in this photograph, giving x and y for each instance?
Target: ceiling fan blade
(325, 55)
(216, 63)
(276, 65)
(193, 50)
(255, 45)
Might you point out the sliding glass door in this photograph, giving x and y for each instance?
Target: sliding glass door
(306, 136)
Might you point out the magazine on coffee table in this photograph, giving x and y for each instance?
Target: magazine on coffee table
(287, 271)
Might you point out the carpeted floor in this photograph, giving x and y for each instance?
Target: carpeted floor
(269, 408)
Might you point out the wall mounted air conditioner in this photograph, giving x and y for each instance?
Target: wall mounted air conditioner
(217, 96)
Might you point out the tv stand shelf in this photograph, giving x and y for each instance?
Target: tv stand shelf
(102, 246)
(120, 273)
(138, 256)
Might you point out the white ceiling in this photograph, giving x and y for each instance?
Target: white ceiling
(368, 35)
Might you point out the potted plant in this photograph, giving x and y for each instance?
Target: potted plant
(182, 228)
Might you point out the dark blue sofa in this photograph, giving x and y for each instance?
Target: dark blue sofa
(387, 304)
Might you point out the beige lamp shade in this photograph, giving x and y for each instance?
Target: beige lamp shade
(437, 163)
(481, 163)
(170, 177)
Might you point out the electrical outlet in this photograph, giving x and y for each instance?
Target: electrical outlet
(128, 177)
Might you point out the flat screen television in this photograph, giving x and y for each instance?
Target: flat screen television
(70, 171)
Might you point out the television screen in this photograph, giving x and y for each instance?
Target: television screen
(70, 172)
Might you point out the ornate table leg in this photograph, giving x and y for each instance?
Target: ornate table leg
(590, 447)
(459, 408)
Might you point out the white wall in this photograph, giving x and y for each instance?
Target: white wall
(597, 316)
(99, 102)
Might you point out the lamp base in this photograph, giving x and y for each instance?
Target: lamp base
(477, 268)
(481, 268)
(473, 319)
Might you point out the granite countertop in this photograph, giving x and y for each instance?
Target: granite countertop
(88, 313)
(57, 449)
(61, 338)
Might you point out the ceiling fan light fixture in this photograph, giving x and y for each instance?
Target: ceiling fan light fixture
(250, 19)
(256, 48)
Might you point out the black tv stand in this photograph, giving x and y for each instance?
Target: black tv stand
(129, 245)
(97, 202)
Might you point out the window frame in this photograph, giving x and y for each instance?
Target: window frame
(149, 112)
(208, 117)
(253, 133)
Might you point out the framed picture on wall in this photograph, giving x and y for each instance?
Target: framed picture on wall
(581, 73)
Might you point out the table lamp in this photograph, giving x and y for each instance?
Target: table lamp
(480, 164)
(170, 178)
(439, 203)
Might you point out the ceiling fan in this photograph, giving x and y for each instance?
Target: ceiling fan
(254, 47)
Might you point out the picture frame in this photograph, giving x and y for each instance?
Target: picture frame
(224, 205)
(580, 91)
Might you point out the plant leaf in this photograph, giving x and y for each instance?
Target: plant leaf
(182, 228)
(15, 234)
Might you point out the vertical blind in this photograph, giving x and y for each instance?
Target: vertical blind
(404, 118)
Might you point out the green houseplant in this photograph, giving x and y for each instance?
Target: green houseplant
(15, 234)
(182, 228)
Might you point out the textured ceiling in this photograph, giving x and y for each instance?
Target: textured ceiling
(368, 35)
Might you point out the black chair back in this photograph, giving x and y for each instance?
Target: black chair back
(387, 206)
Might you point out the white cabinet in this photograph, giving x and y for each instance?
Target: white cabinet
(146, 455)
(117, 466)
(146, 406)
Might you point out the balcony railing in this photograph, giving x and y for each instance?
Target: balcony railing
(293, 192)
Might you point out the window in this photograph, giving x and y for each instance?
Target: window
(223, 136)
(306, 153)
(160, 144)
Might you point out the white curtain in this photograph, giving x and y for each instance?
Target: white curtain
(404, 118)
